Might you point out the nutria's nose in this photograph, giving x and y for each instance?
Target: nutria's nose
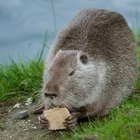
(51, 90)
(50, 95)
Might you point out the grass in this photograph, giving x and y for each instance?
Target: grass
(19, 81)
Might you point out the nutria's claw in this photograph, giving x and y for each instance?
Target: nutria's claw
(71, 121)
(43, 121)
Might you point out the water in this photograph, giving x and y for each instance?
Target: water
(24, 22)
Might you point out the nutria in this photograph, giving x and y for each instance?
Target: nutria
(91, 66)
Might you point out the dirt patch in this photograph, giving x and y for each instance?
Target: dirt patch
(3, 112)
(26, 129)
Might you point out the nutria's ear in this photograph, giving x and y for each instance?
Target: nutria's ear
(83, 57)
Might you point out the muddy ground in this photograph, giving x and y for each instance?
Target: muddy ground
(22, 129)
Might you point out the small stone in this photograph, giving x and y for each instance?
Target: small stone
(17, 105)
(25, 129)
(26, 122)
(34, 127)
(21, 115)
(29, 101)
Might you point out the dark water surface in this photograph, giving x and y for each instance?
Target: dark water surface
(24, 22)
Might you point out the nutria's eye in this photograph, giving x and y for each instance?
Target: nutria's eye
(71, 73)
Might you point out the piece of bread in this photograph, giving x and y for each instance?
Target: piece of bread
(56, 117)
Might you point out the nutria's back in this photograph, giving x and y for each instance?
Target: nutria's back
(99, 32)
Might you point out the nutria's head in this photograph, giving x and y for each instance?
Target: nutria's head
(69, 79)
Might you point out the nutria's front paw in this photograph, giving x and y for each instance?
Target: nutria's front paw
(71, 121)
(39, 110)
(43, 121)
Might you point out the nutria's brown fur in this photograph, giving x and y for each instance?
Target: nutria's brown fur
(91, 66)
